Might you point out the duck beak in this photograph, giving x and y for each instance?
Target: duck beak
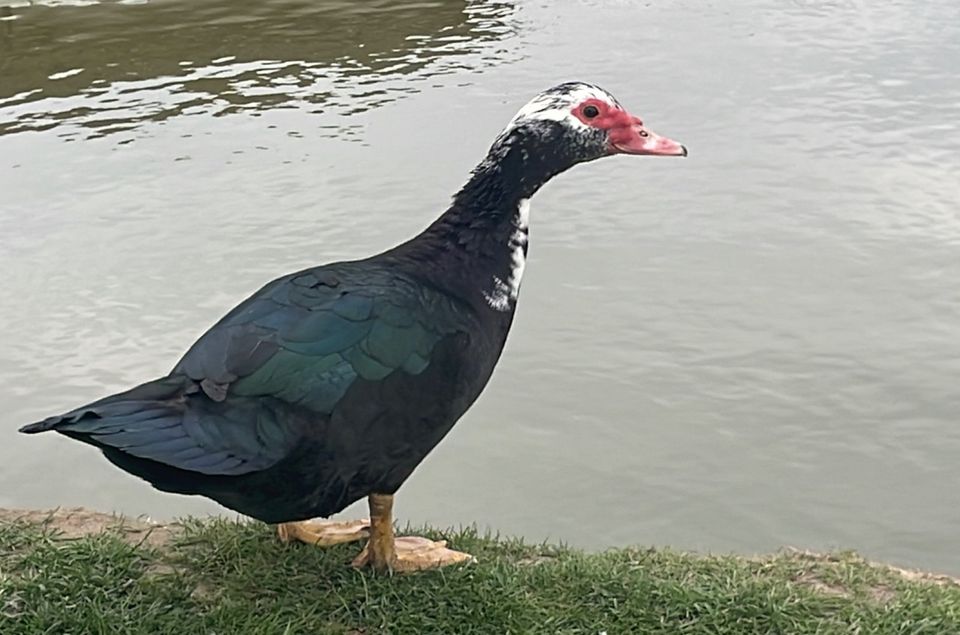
(634, 138)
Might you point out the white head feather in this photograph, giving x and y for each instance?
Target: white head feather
(557, 104)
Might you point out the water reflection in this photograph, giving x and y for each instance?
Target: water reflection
(106, 68)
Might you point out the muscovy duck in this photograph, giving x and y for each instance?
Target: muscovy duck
(333, 383)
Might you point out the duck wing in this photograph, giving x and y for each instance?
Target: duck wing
(272, 370)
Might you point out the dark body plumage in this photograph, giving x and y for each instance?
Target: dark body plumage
(335, 382)
(321, 388)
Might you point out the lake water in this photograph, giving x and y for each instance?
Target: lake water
(754, 347)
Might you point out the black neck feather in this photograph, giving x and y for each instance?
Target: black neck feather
(470, 243)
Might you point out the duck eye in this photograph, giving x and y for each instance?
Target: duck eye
(590, 111)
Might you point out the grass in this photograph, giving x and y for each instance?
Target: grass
(222, 577)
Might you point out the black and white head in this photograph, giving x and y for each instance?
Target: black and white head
(576, 122)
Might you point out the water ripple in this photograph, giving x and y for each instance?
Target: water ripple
(336, 58)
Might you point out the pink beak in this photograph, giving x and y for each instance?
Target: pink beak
(635, 139)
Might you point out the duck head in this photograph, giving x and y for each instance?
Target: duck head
(577, 122)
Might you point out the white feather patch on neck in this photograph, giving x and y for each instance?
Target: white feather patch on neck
(504, 293)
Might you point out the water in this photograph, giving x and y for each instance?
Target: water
(754, 347)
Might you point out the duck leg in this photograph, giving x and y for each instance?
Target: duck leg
(324, 533)
(385, 552)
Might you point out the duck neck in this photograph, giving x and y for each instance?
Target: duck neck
(477, 249)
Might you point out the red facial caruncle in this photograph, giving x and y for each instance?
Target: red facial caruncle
(626, 134)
